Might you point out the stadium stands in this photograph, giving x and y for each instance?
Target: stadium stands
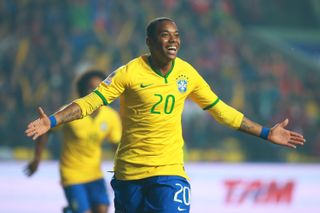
(45, 44)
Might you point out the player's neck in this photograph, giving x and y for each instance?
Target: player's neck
(161, 67)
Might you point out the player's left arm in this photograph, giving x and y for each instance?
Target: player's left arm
(230, 117)
(277, 134)
(227, 115)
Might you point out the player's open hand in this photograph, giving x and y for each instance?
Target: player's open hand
(31, 168)
(279, 135)
(39, 126)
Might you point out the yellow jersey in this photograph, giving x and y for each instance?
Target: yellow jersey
(151, 108)
(81, 158)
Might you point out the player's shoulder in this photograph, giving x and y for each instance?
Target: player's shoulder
(134, 62)
(183, 64)
(130, 67)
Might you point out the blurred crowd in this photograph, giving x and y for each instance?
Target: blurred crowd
(44, 45)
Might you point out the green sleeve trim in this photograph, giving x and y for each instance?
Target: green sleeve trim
(212, 105)
(105, 102)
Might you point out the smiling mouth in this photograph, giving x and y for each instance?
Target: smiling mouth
(172, 50)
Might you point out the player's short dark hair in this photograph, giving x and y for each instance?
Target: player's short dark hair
(83, 81)
(152, 26)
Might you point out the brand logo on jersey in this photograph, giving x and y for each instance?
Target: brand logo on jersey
(145, 85)
(108, 80)
(182, 83)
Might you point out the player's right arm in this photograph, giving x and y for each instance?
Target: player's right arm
(43, 124)
(106, 92)
(75, 110)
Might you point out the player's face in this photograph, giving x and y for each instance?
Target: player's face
(164, 47)
(93, 84)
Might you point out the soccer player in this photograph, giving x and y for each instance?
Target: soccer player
(149, 169)
(80, 161)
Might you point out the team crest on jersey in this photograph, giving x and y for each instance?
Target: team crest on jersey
(182, 83)
(108, 80)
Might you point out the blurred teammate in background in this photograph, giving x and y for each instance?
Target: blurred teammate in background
(149, 169)
(80, 161)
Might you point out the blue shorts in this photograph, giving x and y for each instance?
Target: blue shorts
(165, 194)
(82, 197)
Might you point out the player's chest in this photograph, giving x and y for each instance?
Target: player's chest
(149, 84)
(159, 95)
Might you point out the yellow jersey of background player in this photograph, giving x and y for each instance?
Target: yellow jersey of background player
(81, 156)
(80, 161)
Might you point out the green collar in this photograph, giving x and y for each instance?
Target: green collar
(158, 71)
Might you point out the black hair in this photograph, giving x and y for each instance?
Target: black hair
(152, 26)
(84, 79)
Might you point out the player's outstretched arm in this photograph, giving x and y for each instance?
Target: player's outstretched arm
(277, 134)
(33, 165)
(39, 126)
(43, 124)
